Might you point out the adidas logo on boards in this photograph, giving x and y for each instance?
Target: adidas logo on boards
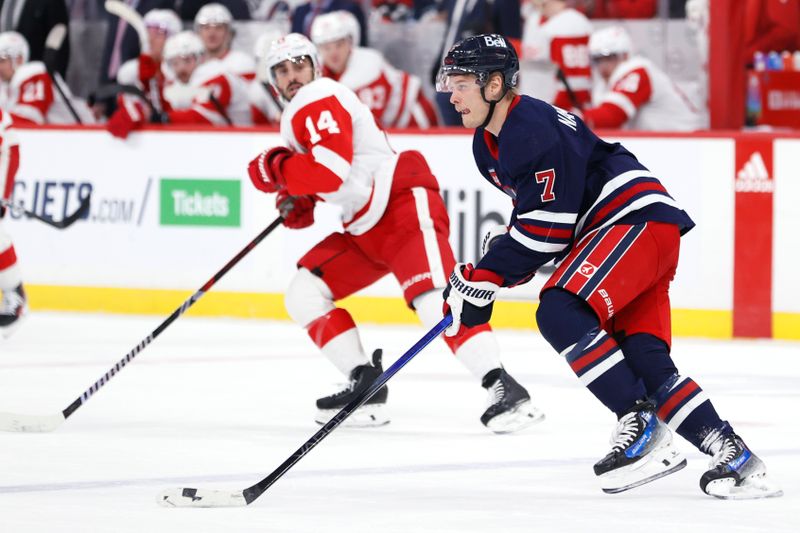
(753, 176)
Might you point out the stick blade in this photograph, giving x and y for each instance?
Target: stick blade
(186, 497)
(30, 423)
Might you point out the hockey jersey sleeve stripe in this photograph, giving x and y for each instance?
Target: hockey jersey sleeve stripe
(579, 83)
(27, 113)
(332, 161)
(610, 187)
(536, 245)
(549, 232)
(549, 216)
(622, 101)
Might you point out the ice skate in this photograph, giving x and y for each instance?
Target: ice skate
(509, 405)
(736, 473)
(13, 309)
(642, 451)
(373, 412)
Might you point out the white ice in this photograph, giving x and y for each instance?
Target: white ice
(219, 404)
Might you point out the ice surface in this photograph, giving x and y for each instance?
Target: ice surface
(219, 404)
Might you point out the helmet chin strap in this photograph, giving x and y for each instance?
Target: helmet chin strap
(492, 104)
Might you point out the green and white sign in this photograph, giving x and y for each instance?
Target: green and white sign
(193, 202)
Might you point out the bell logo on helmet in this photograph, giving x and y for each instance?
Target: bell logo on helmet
(494, 40)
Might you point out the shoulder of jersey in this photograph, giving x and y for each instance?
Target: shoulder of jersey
(364, 66)
(27, 71)
(207, 71)
(317, 90)
(569, 23)
(239, 62)
(629, 65)
(531, 120)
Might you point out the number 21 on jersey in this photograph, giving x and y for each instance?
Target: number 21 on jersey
(324, 122)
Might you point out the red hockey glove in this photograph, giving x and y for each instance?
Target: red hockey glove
(148, 68)
(131, 114)
(470, 296)
(297, 211)
(265, 169)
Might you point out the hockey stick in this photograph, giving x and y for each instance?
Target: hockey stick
(573, 98)
(132, 17)
(34, 423)
(187, 497)
(79, 213)
(51, 47)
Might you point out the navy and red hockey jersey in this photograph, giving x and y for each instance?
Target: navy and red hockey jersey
(565, 182)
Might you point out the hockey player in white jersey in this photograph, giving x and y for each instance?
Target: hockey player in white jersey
(557, 35)
(214, 24)
(637, 94)
(394, 220)
(145, 72)
(394, 97)
(13, 305)
(27, 91)
(204, 92)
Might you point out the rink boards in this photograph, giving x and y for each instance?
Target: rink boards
(171, 207)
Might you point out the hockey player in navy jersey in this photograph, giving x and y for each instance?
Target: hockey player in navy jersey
(615, 233)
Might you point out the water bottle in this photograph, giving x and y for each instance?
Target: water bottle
(759, 62)
(796, 59)
(753, 112)
(787, 61)
(774, 61)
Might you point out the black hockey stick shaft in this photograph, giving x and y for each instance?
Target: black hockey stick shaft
(573, 98)
(170, 319)
(253, 492)
(66, 222)
(52, 45)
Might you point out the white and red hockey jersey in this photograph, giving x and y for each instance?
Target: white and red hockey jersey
(564, 41)
(9, 156)
(394, 97)
(240, 64)
(128, 74)
(640, 96)
(342, 155)
(217, 97)
(31, 98)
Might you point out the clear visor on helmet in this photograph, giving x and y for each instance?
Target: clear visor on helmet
(458, 78)
(300, 61)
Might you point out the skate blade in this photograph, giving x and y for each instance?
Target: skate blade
(754, 487)
(366, 416)
(660, 463)
(524, 415)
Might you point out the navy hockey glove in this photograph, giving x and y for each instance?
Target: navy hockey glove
(470, 296)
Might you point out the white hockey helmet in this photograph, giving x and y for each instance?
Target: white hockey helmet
(610, 41)
(290, 47)
(185, 43)
(13, 45)
(165, 20)
(213, 13)
(334, 26)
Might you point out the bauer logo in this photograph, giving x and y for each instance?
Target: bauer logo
(186, 202)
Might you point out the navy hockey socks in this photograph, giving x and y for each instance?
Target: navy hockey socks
(572, 328)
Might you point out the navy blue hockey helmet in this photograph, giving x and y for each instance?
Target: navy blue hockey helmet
(480, 55)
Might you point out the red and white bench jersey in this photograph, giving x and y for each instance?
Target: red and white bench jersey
(263, 104)
(128, 74)
(640, 96)
(394, 97)
(563, 40)
(31, 98)
(9, 155)
(215, 95)
(344, 157)
(240, 64)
